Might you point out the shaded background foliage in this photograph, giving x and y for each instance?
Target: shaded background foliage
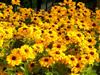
(46, 4)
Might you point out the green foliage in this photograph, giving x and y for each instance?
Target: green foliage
(89, 71)
(96, 67)
(48, 73)
(28, 20)
(60, 69)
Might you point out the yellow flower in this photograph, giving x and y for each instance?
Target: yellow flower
(72, 4)
(19, 73)
(52, 34)
(16, 2)
(1, 43)
(93, 53)
(73, 60)
(74, 74)
(67, 1)
(2, 16)
(27, 52)
(14, 59)
(91, 40)
(46, 61)
(9, 33)
(88, 59)
(59, 46)
(2, 5)
(56, 54)
(80, 4)
(1, 54)
(31, 65)
(78, 68)
(25, 31)
(71, 11)
(36, 34)
(65, 60)
(38, 48)
(79, 36)
(14, 17)
(86, 12)
(2, 33)
(8, 11)
(16, 51)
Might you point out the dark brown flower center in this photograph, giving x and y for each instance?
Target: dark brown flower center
(13, 58)
(93, 24)
(76, 49)
(24, 28)
(14, 17)
(79, 58)
(50, 16)
(42, 31)
(35, 18)
(32, 65)
(79, 35)
(77, 65)
(46, 60)
(72, 58)
(59, 33)
(90, 46)
(87, 57)
(67, 37)
(58, 11)
(58, 46)
(26, 50)
(92, 53)
(89, 40)
(57, 52)
(50, 32)
(68, 27)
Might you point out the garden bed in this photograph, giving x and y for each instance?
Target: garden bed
(62, 41)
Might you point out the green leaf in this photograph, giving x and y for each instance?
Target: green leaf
(15, 8)
(60, 69)
(28, 20)
(26, 72)
(49, 73)
(88, 71)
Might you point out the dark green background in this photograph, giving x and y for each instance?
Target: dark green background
(33, 3)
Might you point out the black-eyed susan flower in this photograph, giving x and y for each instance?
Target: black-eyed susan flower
(67, 1)
(91, 41)
(74, 74)
(25, 31)
(88, 59)
(19, 73)
(59, 46)
(72, 60)
(38, 48)
(31, 65)
(65, 60)
(27, 52)
(46, 61)
(2, 5)
(8, 11)
(80, 4)
(14, 59)
(56, 54)
(78, 68)
(16, 51)
(16, 2)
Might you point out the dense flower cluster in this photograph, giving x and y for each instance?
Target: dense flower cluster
(67, 34)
